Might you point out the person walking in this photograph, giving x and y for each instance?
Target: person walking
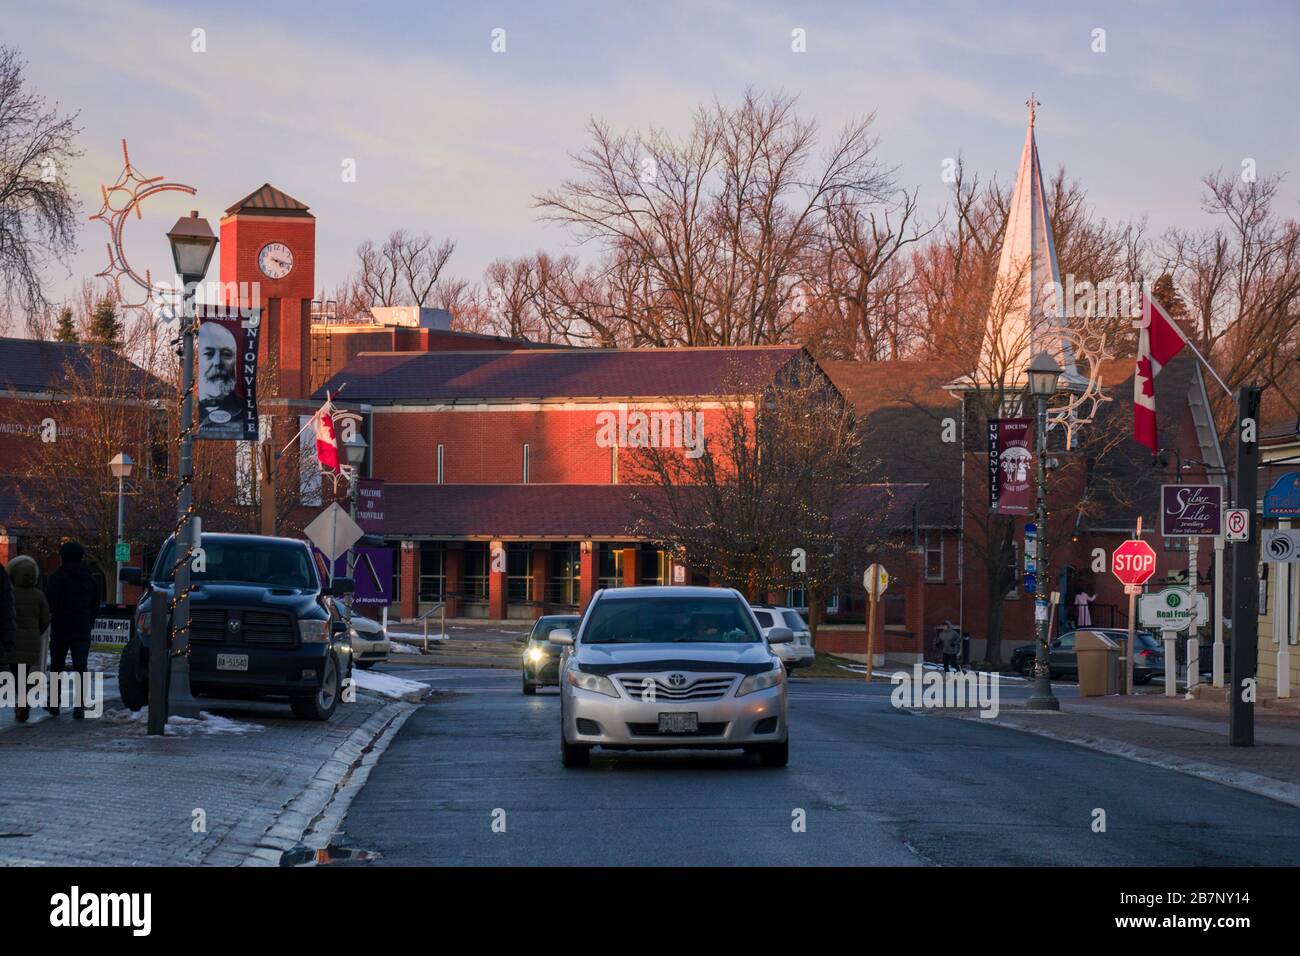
(74, 601)
(8, 620)
(32, 614)
(950, 646)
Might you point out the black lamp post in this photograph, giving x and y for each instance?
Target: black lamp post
(193, 243)
(1044, 375)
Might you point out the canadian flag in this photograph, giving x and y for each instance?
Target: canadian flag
(1159, 340)
(327, 444)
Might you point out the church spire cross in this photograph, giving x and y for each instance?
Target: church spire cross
(1033, 105)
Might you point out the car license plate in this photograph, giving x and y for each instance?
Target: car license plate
(232, 662)
(679, 723)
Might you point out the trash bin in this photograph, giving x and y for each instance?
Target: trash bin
(1098, 659)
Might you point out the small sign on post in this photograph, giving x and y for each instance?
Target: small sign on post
(875, 579)
(1236, 524)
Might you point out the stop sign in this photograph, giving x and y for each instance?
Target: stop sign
(1133, 562)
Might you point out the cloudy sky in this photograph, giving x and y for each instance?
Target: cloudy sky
(451, 138)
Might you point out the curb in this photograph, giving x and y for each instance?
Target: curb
(309, 820)
(1249, 781)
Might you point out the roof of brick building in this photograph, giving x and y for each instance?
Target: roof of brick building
(37, 366)
(558, 373)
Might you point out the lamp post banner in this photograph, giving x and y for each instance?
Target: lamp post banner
(227, 376)
(1191, 511)
(1010, 465)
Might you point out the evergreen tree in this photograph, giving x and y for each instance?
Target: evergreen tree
(65, 330)
(105, 326)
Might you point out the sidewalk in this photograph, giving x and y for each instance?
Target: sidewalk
(1188, 736)
(101, 791)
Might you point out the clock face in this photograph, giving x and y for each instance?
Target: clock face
(275, 260)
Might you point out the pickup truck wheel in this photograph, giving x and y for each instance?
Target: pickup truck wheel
(322, 704)
(131, 681)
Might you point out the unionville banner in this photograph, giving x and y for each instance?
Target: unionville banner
(226, 347)
(1010, 465)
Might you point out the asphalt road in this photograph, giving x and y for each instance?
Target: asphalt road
(876, 786)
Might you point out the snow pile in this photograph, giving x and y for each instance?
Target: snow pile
(205, 724)
(397, 647)
(386, 685)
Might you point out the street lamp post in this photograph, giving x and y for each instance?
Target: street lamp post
(120, 467)
(354, 450)
(192, 242)
(1044, 374)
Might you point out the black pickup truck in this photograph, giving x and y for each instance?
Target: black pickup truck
(263, 625)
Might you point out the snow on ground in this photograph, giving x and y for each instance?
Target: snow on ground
(398, 688)
(205, 724)
(397, 647)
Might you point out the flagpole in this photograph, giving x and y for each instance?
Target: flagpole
(329, 402)
(1188, 342)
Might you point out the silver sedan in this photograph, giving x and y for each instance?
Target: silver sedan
(669, 668)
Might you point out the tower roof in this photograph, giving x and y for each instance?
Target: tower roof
(1027, 313)
(266, 200)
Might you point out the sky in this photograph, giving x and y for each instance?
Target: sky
(451, 138)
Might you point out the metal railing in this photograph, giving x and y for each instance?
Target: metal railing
(441, 609)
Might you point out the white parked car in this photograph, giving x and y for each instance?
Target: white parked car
(370, 644)
(799, 652)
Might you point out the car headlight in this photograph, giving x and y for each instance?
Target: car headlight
(314, 632)
(536, 654)
(756, 682)
(601, 685)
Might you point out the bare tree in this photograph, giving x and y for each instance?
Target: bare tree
(405, 270)
(38, 212)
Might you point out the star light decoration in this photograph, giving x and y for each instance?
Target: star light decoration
(1082, 398)
(120, 200)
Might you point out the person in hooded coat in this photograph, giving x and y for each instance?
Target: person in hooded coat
(8, 618)
(74, 601)
(33, 617)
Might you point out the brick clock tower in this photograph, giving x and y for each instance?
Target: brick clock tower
(269, 238)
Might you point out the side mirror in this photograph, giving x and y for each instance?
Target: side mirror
(129, 575)
(562, 636)
(340, 587)
(780, 635)
(521, 639)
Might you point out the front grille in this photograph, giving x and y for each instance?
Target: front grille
(212, 625)
(267, 627)
(207, 624)
(707, 729)
(704, 688)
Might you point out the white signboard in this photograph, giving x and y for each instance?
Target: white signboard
(1280, 545)
(1173, 609)
(1236, 524)
(875, 579)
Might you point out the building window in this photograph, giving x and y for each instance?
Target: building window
(474, 580)
(611, 565)
(656, 567)
(519, 572)
(433, 571)
(934, 555)
(439, 464)
(525, 463)
(562, 586)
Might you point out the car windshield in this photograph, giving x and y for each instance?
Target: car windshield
(656, 620)
(543, 628)
(274, 564)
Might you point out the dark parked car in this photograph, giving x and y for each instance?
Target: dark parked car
(263, 625)
(541, 665)
(1062, 661)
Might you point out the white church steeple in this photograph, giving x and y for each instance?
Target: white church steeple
(1027, 310)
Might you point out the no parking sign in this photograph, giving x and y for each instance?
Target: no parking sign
(1236, 524)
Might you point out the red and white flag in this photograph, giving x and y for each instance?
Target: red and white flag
(1159, 340)
(327, 444)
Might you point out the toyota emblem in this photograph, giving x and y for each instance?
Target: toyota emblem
(676, 680)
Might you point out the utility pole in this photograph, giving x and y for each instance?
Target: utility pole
(1245, 576)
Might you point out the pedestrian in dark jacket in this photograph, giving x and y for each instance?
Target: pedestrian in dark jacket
(33, 617)
(950, 646)
(8, 619)
(74, 602)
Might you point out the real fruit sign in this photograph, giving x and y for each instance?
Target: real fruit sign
(1133, 562)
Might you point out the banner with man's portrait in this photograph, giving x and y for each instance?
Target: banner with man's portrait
(226, 346)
